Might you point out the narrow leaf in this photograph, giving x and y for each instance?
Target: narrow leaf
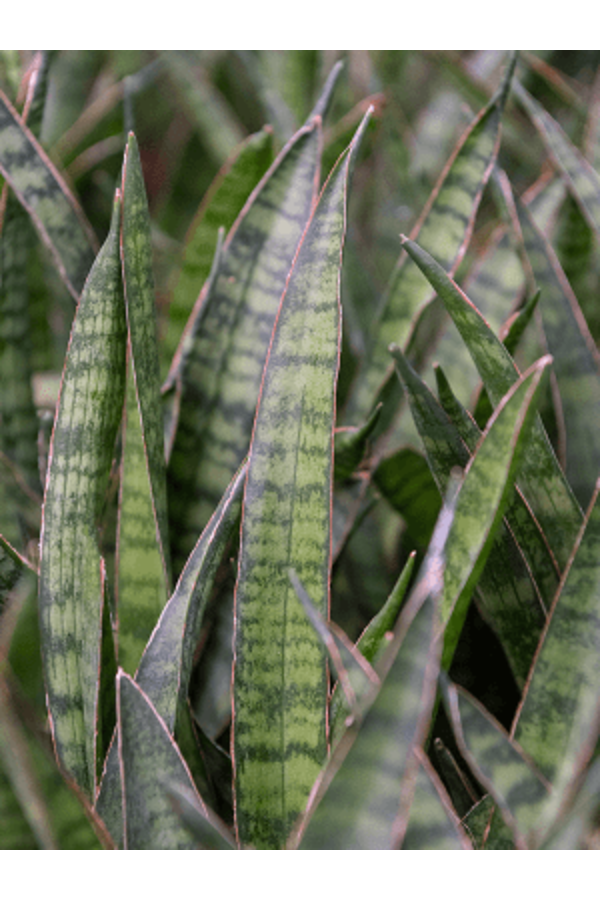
(280, 695)
(498, 762)
(542, 479)
(219, 370)
(582, 178)
(219, 209)
(166, 665)
(557, 721)
(355, 675)
(483, 497)
(71, 577)
(357, 800)
(42, 191)
(433, 823)
(143, 571)
(208, 833)
(576, 360)
(150, 763)
(444, 229)
(507, 595)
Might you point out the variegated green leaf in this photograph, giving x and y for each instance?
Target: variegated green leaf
(219, 209)
(499, 763)
(166, 665)
(508, 596)
(542, 480)
(208, 833)
(143, 569)
(362, 799)
(576, 360)
(482, 501)
(219, 369)
(557, 720)
(433, 823)
(71, 569)
(582, 178)
(444, 229)
(280, 695)
(44, 194)
(150, 763)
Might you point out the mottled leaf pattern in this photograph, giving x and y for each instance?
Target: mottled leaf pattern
(44, 194)
(280, 701)
(71, 569)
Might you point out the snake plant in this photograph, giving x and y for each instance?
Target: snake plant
(299, 520)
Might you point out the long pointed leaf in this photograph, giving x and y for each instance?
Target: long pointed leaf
(433, 823)
(150, 762)
(219, 370)
(557, 718)
(280, 689)
(576, 360)
(42, 191)
(507, 595)
(166, 664)
(542, 479)
(483, 498)
(71, 578)
(357, 802)
(581, 176)
(499, 763)
(445, 230)
(143, 569)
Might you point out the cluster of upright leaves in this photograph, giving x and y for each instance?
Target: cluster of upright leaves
(242, 462)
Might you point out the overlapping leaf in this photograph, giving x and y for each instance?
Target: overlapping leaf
(508, 596)
(581, 176)
(576, 360)
(223, 350)
(71, 569)
(363, 798)
(143, 570)
(557, 721)
(166, 664)
(42, 191)
(499, 763)
(280, 689)
(444, 229)
(150, 762)
(541, 479)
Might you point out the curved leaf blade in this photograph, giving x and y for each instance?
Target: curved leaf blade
(576, 360)
(581, 176)
(445, 230)
(541, 479)
(557, 721)
(498, 762)
(222, 353)
(358, 800)
(143, 566)
(71, 570)
(166, 664)
(150, 761)
(42, 191)
(280, 686)
(483, 497)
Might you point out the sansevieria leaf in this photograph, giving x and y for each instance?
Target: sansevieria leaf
(218, 367)
(71, 569)
(444, 229)
(280, 685)
(43, 192)
(542, 480)
(143, 566)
